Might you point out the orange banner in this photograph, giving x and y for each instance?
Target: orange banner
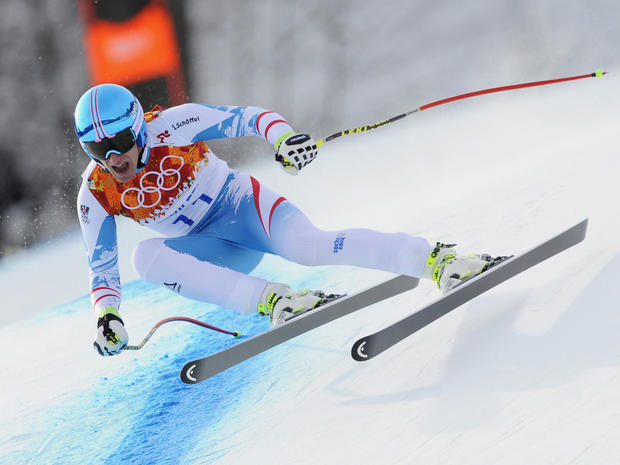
(136, 50)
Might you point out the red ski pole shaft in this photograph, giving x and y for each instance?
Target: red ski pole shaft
(492, 90)
(181, 318)
(598, 73)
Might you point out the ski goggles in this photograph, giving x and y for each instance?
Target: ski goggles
(119, 143)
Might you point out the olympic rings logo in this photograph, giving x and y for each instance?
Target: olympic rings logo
(143, 191)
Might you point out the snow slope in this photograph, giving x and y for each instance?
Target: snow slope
(526, 373)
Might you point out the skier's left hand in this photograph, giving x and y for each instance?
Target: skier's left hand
(295, 152)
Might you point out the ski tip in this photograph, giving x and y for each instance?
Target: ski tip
(359, 351)
(188, 375)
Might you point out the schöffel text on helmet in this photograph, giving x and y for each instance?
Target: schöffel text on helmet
(185, 122)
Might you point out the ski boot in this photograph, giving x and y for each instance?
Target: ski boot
(450, 270)
(282, 303)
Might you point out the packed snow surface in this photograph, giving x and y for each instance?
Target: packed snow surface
(526, 373)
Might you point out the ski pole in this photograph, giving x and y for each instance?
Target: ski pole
(180, 318)
(597, 73)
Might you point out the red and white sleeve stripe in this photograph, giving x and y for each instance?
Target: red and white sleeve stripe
(103, 296)
(271, 126)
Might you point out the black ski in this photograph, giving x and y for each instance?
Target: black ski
(372, 345)
(203, 368)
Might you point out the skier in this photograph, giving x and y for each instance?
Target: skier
(217, 223)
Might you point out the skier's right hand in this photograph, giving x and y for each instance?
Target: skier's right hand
(111, 337)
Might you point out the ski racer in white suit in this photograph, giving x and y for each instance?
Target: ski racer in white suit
(216, 223)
